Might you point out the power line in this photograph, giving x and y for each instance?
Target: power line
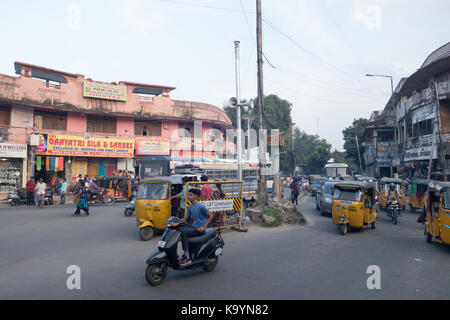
(313, 54)
(190, 4)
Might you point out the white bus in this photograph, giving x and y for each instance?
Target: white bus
(336, 170)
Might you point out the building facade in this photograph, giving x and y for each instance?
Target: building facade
(58, 124)
(421, 120)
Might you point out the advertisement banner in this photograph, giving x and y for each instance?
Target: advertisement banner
(8, 150)
(153, 146)
(58, 145)
(192, 155)
(420, 154)
(104, 91)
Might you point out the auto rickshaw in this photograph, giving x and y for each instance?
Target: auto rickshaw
(117, 186)
(354, 205)
(155, 203)
(311, 178)
(417, 190)
(438, 212)
(384, 191)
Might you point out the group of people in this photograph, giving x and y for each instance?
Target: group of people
(36, 190)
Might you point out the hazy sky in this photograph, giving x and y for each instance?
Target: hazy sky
(320, 50)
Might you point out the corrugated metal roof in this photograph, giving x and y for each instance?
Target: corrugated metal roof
(438, 54)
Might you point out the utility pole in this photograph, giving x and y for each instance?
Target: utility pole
(441, 145)
(262, 186)
(238, 111)
(359, 154)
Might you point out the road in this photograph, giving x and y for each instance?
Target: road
(312, 261)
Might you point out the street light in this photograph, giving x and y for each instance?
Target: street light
(393, 109)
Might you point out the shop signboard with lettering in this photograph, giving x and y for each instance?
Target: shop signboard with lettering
(104, 91)
(8, 150)
(153, 146)
(76, 146)
(420, 154)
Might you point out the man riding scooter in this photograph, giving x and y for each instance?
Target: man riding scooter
(202, 218)
(93, 189)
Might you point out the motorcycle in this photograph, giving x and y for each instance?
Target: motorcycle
(48, 198)
(394, 210)
(204, 252)
(130, 208)
(101, 197)
(18, 197)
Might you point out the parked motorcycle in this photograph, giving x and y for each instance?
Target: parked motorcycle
(48, 198)
(18, 197)
(204, 252)
(394, 209)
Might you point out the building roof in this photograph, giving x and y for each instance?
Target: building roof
(435, 63)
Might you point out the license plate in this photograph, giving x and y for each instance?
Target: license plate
(161, 244)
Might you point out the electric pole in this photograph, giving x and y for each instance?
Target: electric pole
(262, 185)
(238, 110)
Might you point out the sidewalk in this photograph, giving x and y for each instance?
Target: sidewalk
(56, 200)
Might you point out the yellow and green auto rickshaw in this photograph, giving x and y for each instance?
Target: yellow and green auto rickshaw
(155, 203)
(437, 208)
(384, 191)
(354, 205)
(417, 190)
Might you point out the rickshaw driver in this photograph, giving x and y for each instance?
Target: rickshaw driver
(202, 218)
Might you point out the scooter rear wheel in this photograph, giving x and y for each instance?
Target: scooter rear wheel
(211, 264)
(156, 273)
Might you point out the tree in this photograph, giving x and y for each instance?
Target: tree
(355, 130)
(317, 159)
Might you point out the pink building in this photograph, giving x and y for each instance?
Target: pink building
(72, 125)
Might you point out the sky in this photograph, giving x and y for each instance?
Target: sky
(317, 52)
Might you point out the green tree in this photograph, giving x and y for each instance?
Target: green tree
(355, 130)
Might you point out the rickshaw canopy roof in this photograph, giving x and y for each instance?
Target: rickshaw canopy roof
(391, 180)
(438, 186)
(421, 181)
(170, 179)
(357, 184)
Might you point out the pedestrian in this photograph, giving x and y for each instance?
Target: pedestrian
(206, 190)
(31, 184)
(218, 193)
(295, 191)
(82, 200)
(62, 191)
(40, 191)
(182, 196)
(80, 177)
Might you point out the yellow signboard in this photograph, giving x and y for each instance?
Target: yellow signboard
(104, 91)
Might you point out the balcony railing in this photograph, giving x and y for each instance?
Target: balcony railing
(428, 95)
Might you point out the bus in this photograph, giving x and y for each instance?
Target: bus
(336, 170)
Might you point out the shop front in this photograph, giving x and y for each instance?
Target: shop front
(13, 167)
(86, 155)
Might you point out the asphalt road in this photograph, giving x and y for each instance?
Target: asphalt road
(312, 261)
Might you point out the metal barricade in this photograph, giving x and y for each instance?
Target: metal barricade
(226, 205)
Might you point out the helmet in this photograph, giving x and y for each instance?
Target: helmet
(391, 186)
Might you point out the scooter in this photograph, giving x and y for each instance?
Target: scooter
(18, 197)
(48, 198)
(130, 208)
(204, 252)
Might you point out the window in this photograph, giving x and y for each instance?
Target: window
(50, 120)
(147, 128)
(101, 125)
(185, 131)
(5, 116)
(348, 194)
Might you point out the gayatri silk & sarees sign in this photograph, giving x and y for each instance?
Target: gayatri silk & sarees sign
(58, 145)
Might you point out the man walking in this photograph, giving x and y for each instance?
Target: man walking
(40, 191)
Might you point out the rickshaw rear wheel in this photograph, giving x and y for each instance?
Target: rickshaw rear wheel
(343, 229)
(156, 273)
(146, 233)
